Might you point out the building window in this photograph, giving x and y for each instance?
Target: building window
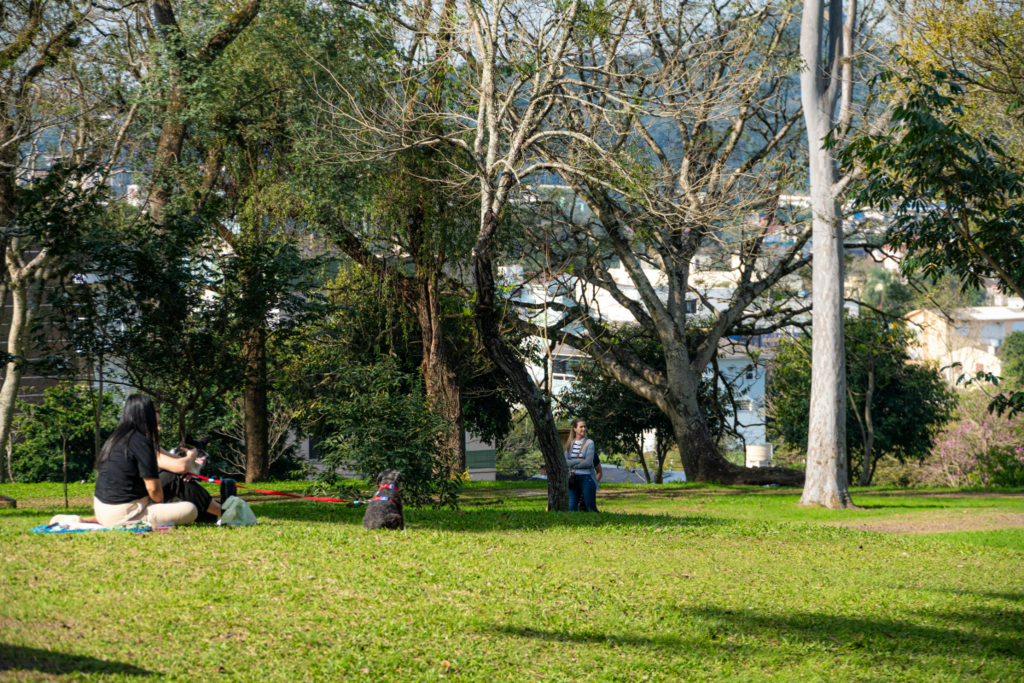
(691, 305)
(750, 375)
(745, 404)
(563, 367)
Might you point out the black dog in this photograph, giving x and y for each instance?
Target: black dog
(200, 445)
(385, 510)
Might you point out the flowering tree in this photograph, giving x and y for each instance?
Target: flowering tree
(977, 447)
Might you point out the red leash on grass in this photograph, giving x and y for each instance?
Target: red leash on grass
(279, 493)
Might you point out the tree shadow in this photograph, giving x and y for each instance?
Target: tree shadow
(901, 642)
(486, 519)
(869, 506)
(45, 515)
(992, 595)
(20, 658)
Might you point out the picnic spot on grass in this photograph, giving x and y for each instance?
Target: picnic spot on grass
(678, 582)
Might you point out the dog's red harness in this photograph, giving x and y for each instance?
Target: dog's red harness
(377, 496)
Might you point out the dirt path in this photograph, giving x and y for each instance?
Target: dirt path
(938, 521)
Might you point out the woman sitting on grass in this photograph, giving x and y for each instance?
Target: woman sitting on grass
(579, 456)
(128, 487)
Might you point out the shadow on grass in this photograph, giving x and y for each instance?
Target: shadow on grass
(46, 514)
(20, 658)
(992, 595)
(984, 635)
(485, 519)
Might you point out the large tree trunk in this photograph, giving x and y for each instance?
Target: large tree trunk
(439, 371)
(536, 403)
(257, 439)
(827, 464)
(703, 461)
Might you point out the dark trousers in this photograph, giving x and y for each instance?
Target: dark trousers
(582, 493)
(176, 487)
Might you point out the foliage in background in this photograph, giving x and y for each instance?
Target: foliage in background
(370, 416)
(229, 430)
(978, 448)
(1011, 352)
(955, 197)
(517, 453)
(368, 320)
(68, 412)
(907, 400)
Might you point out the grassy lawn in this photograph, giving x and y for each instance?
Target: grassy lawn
(668, 583)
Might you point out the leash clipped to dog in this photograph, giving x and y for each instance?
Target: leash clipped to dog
(228, 488)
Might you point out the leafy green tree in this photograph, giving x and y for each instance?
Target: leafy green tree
(60, 429)
(894, 404)
(954, 196)
(517, 453)
(1012, 354)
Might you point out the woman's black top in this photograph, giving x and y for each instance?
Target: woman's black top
(119, 477)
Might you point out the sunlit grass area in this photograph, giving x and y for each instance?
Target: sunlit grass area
(666, 584)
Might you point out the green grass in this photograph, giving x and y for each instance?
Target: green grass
(998, 538)
(667, 584)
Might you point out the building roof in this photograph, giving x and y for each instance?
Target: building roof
(991, 314)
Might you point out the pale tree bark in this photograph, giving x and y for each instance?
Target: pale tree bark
(826, 48)
(27, 283)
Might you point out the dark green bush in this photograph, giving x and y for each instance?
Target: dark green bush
(65, 419)
(1005, 466)
(375, 417)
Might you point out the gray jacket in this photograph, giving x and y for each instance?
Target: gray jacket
(585, 463)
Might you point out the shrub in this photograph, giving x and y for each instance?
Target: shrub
(1004, 466)
(65, 419)
(376, 417)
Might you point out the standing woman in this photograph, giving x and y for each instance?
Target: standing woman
(128, 485)
(579, 456)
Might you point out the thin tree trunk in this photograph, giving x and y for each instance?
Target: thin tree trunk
(537, 405)
(869, 431)
(643, 460)
(64, 452)
(257, 437)
(659, 454)
(439, 372)
(15, 368)
(98, 441)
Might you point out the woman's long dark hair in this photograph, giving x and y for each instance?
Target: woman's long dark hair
(139, 415)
